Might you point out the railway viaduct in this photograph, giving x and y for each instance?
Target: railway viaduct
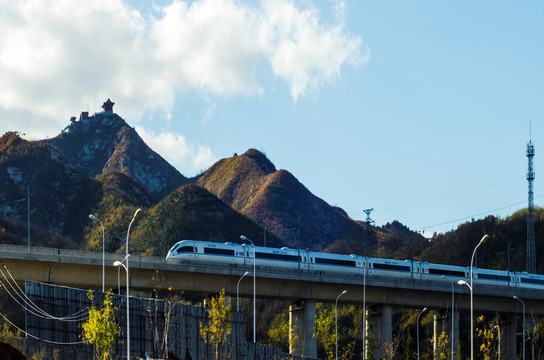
(302, 288)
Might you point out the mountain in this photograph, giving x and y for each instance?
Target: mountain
(192, 212)
(57, 189)
(98, 164)
(275, 199)
(505, 249)
(104, 143)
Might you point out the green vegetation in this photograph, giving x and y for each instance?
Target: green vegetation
(218, 329)
(192, 212)
(101, 329)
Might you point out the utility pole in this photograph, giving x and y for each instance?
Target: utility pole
(27, 215)
(298, 240)
(163, 245)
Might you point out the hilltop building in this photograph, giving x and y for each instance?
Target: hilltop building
(84, 116)
(108, 106)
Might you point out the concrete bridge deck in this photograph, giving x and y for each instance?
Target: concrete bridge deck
(84, 269)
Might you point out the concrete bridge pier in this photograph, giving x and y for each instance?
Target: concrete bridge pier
(301, 329)
(379, 329)
(442, 324)
(508, 337)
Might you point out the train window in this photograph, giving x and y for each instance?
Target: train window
(184, 249)
(446, 272)
(285, 257)
(532, 281)
(493, 277)
(338, 262)
(391, 267)
(217, 251)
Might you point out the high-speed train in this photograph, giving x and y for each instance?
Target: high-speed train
(287, 258)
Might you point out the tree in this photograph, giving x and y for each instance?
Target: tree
(101, 329)
(162, 315)
(487, 337)
(325, 330)
(282, 333)
(218, 329)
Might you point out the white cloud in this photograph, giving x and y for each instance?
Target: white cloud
(301, 50)
(57, 57)
(210, 112)
(189, 159)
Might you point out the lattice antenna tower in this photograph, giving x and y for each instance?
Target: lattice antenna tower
(531, 252)
(368, 220)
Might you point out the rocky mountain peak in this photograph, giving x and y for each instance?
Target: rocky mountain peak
(104, 142)
(260, 160)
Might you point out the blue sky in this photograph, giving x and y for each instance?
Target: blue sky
(418, 109)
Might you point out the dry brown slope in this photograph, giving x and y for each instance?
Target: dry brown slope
(274, 198)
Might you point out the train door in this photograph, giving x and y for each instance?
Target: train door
(195, 250)
(247, 257)
(311, 261)
(305, 259)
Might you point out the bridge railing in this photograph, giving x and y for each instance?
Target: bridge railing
(45, 251)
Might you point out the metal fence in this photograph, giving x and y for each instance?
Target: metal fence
(147, 321)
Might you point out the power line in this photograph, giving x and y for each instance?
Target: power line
(39, 339)
(31, 307)
(489, 212)
(396, 207)
(448, 196)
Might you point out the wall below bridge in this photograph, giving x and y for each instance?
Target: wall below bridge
(147, 322)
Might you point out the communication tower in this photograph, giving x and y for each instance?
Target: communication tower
(531, 253)
(368, 220)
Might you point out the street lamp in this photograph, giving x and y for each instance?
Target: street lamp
(238, 293)
(523, 304)
(484, 238)
(336, 321)
(499, 338)
(118, 263)
(103, 252)
(452, 312)
(463, 282)
(417, 327)
(243, 237)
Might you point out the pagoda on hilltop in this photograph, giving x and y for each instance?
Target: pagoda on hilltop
(108, 106)
(84, 117)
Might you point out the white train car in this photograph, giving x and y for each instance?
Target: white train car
(524, 279)
(286, 258)
(389, 267)
(431, 271)
(492, 277)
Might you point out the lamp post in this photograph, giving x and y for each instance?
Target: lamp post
(484, 238)
(499, 339)
(523, 305)
(118, 263)
(452, 312)
(118, 279)
(103, 252)
(336, 321)
(417, 327)
(463, 282)
(364, 308)
(238, 293)
(254, 290)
